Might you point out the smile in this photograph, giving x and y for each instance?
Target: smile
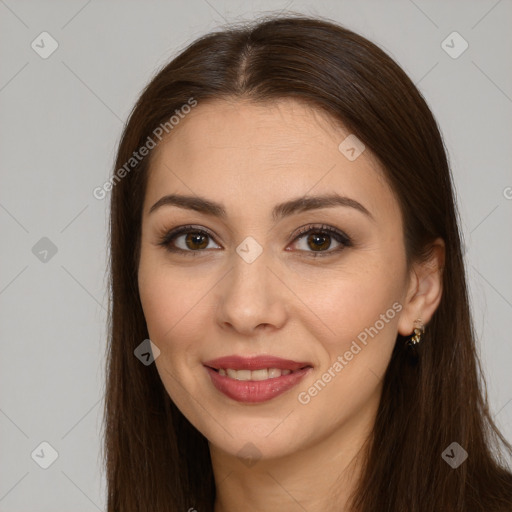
(266, 373)
(256, 379)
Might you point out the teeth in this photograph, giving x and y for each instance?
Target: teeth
(259, 374)
(268, 373)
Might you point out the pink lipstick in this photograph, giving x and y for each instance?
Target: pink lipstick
(255, 379)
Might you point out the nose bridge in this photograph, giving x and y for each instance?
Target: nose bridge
(249, 278)
(249, 295)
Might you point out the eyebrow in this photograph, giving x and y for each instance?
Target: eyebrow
(286, 209)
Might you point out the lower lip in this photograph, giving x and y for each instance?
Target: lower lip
(255, 391)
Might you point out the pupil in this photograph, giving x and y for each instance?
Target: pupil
(195, 240)
(317, 241)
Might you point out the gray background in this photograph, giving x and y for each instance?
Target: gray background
(61, 119)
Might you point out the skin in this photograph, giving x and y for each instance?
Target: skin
(286, 303)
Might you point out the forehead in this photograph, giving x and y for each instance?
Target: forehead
(238, 150)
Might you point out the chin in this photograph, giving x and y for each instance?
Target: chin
(256, 436)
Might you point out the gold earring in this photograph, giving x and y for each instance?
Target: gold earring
(418, 331)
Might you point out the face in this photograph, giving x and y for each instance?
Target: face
(303, 299)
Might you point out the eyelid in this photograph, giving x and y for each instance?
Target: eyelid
(324, 228)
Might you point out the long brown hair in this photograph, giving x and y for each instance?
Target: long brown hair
(155, 459)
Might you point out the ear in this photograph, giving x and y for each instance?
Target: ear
(425, 289)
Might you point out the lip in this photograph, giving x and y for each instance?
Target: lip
(252, 391)
(255, 363)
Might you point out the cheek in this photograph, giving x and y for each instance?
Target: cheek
(175, 319)
(173, 303)
(360, 313)
(346, 303)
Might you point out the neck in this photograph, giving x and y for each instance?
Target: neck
(320, 477)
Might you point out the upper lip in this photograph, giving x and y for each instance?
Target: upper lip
(235, 362)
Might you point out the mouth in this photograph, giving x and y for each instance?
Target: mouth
(256, 379)
(263, 374)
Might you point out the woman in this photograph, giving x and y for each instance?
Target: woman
(283, 230)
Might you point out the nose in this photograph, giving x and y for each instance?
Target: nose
(251, 298)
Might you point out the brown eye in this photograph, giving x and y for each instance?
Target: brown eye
(196, 241)
(186, 240)
(319, 239)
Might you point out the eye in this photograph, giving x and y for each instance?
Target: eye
(319, 239)
(191, 240)
(186, 240)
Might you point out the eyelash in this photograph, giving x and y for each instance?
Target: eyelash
(339, 236)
